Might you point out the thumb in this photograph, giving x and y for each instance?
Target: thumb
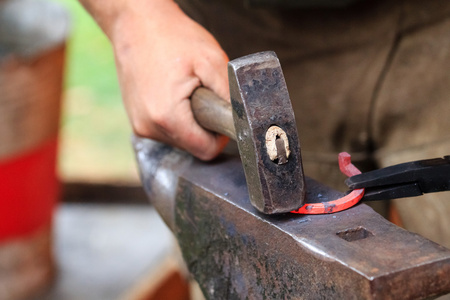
(212, 72)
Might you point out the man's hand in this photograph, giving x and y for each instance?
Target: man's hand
(162, 56)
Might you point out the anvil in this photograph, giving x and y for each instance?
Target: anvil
(236, 252)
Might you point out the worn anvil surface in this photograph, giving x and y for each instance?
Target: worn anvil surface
(235, 252)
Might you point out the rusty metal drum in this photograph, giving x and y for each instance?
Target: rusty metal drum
(32, 50)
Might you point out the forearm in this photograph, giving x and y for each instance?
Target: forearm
(162, 56)
(109, 14)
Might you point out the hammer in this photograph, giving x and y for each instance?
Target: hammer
(261, 120)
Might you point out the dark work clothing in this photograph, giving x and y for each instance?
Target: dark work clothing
(300, 3)
(372, 79)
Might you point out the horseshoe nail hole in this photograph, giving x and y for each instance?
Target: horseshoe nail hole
(354, 234)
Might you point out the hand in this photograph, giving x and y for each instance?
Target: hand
(162, 56)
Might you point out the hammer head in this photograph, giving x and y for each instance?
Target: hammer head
(266, 133)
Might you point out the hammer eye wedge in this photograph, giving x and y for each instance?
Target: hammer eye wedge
(277, 145)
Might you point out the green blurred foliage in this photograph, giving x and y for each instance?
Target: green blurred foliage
(95, 134)
(91, 61)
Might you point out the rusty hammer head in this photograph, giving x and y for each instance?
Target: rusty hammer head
(266, 133)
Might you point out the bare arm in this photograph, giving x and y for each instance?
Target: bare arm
(162, 56)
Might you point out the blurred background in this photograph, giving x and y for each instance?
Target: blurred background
(98, 237)
(95, 134)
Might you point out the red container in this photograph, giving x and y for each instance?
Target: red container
(31, 72)
(28, 191)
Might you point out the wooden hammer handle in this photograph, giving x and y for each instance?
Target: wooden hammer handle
(212, 112)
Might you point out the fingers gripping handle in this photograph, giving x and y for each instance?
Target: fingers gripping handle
(213, 112)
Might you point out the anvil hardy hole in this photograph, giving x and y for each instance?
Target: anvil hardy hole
(354, 234)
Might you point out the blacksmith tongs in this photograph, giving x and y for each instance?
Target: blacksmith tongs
(404, 180)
